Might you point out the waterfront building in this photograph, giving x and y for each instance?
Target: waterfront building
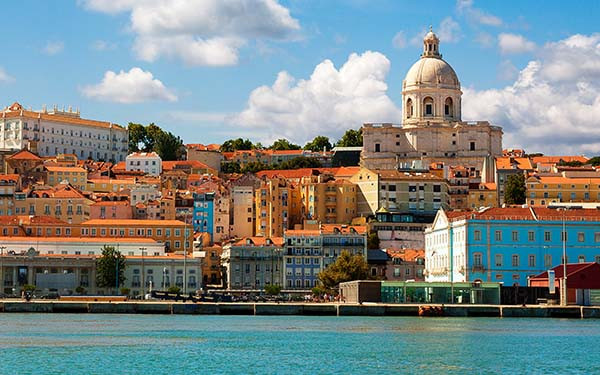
(52, 132)
(583, 282)
(211, 266)
(508, 245)
(175, 234)
(432, 128)
(144, 273)
(253, 262)
(308, 251)
(147, 162)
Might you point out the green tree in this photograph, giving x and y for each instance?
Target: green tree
(373, 241)
(319, 143)
(255, 166)
(572, 163)
(299, 162)
(236, 144)
(594, 161)
(153, 131)
(514, 191)
(272, 289)
(352, 138)
(174, 289)
(231, 167)
(137, 136)
(283, 144)
(168, 146)
(106, 268)
(347, 267)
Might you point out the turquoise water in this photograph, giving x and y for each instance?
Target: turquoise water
(149, 344)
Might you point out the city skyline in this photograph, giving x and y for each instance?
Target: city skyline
(209, 72)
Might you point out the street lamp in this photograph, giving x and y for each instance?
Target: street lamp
(563, 292)
(143, 249)
(1, 270)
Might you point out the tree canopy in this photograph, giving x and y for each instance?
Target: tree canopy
(594, 161)
(284, 144)
(347, 267)
(237, 144)
(153, 138)
(514, 191)
(319, 143)
(352, 138)
(106, 268)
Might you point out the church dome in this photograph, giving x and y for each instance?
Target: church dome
(432, 71)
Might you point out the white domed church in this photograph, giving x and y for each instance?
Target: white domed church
(432, 129)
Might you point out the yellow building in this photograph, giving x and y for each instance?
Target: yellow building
(277, 203)
(328, 200)
(542, 191)
(106, 185)
(482, 195)
(63, 202)
(76, 176)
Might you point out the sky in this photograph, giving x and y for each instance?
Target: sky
(211, 70)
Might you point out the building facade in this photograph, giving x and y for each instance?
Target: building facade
(147, 162)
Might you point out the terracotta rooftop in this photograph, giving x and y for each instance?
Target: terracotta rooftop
(260, 241)
(513, 163)
(407, 255)
(24, 155)
(133, 222)
(558, 159)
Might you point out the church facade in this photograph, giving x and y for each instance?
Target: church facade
(432, 129)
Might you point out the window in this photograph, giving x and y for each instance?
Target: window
(531, 236)
(515, 236)
(547, 236)
(547, 261)
(428, 104)
(498, 260)
(409, 108)
(498, 235)
(531, 260)
(597, 259)
(563, 236)
(477, 259)
(580, 237)
(580, 259)
(515, 260)
(377, 147)
(477, 235)
(472, 146)
(597, 237)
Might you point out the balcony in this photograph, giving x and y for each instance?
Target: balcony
(478, 268)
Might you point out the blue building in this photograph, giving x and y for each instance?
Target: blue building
(508, 245)
(204, 209)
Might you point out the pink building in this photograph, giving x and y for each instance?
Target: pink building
(111, 210)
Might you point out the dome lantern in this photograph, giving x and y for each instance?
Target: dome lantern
(431, 45)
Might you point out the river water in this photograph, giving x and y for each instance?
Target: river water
(184, 344)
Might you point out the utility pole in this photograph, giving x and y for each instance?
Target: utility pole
(143, 249)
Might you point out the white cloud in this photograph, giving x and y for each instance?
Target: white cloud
(399, 40)
(553, 105)
(53, 47)
(477, 15)
(507, 71)
(200, 32)
(102, 45)
(514, 43)
(5, 77)
(449, 31)
(329, 102)
(135, 86)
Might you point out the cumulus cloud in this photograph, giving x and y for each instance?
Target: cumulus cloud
(554, 103)
(449, 31)
(514, 43)
(53, 47)
(328, 103)
(5, 77)
(399, 40)
(507, 71)
(200, 32)
(134, 86)
(477, 15)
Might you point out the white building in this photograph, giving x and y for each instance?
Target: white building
(432, 128)
(142, 193)
(49, 133)
(147, 162)
(81, 245)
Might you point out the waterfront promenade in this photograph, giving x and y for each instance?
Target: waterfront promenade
(316, 309)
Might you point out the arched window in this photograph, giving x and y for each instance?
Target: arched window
(449, 107)
(409, 108)
(428, 106)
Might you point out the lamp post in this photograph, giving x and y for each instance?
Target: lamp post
(143, 249)
(185, 247)
(1, 270)
(563, 291)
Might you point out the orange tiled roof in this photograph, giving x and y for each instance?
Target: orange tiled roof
(169, 165)
(133, 222)
(558, 159)
(79, 239)
(64, 169)
(29, 220)
(330, 228)
(407, 255)
(260, 241)
(201, 147)
(24, 155)
(288, 173)
(10, 177)
(509, 162)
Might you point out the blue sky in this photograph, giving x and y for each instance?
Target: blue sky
(210, 70)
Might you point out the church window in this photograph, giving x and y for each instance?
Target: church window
(428, 104)
(448, 107)
(377, 147)
(472, 146)
(409, 108)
